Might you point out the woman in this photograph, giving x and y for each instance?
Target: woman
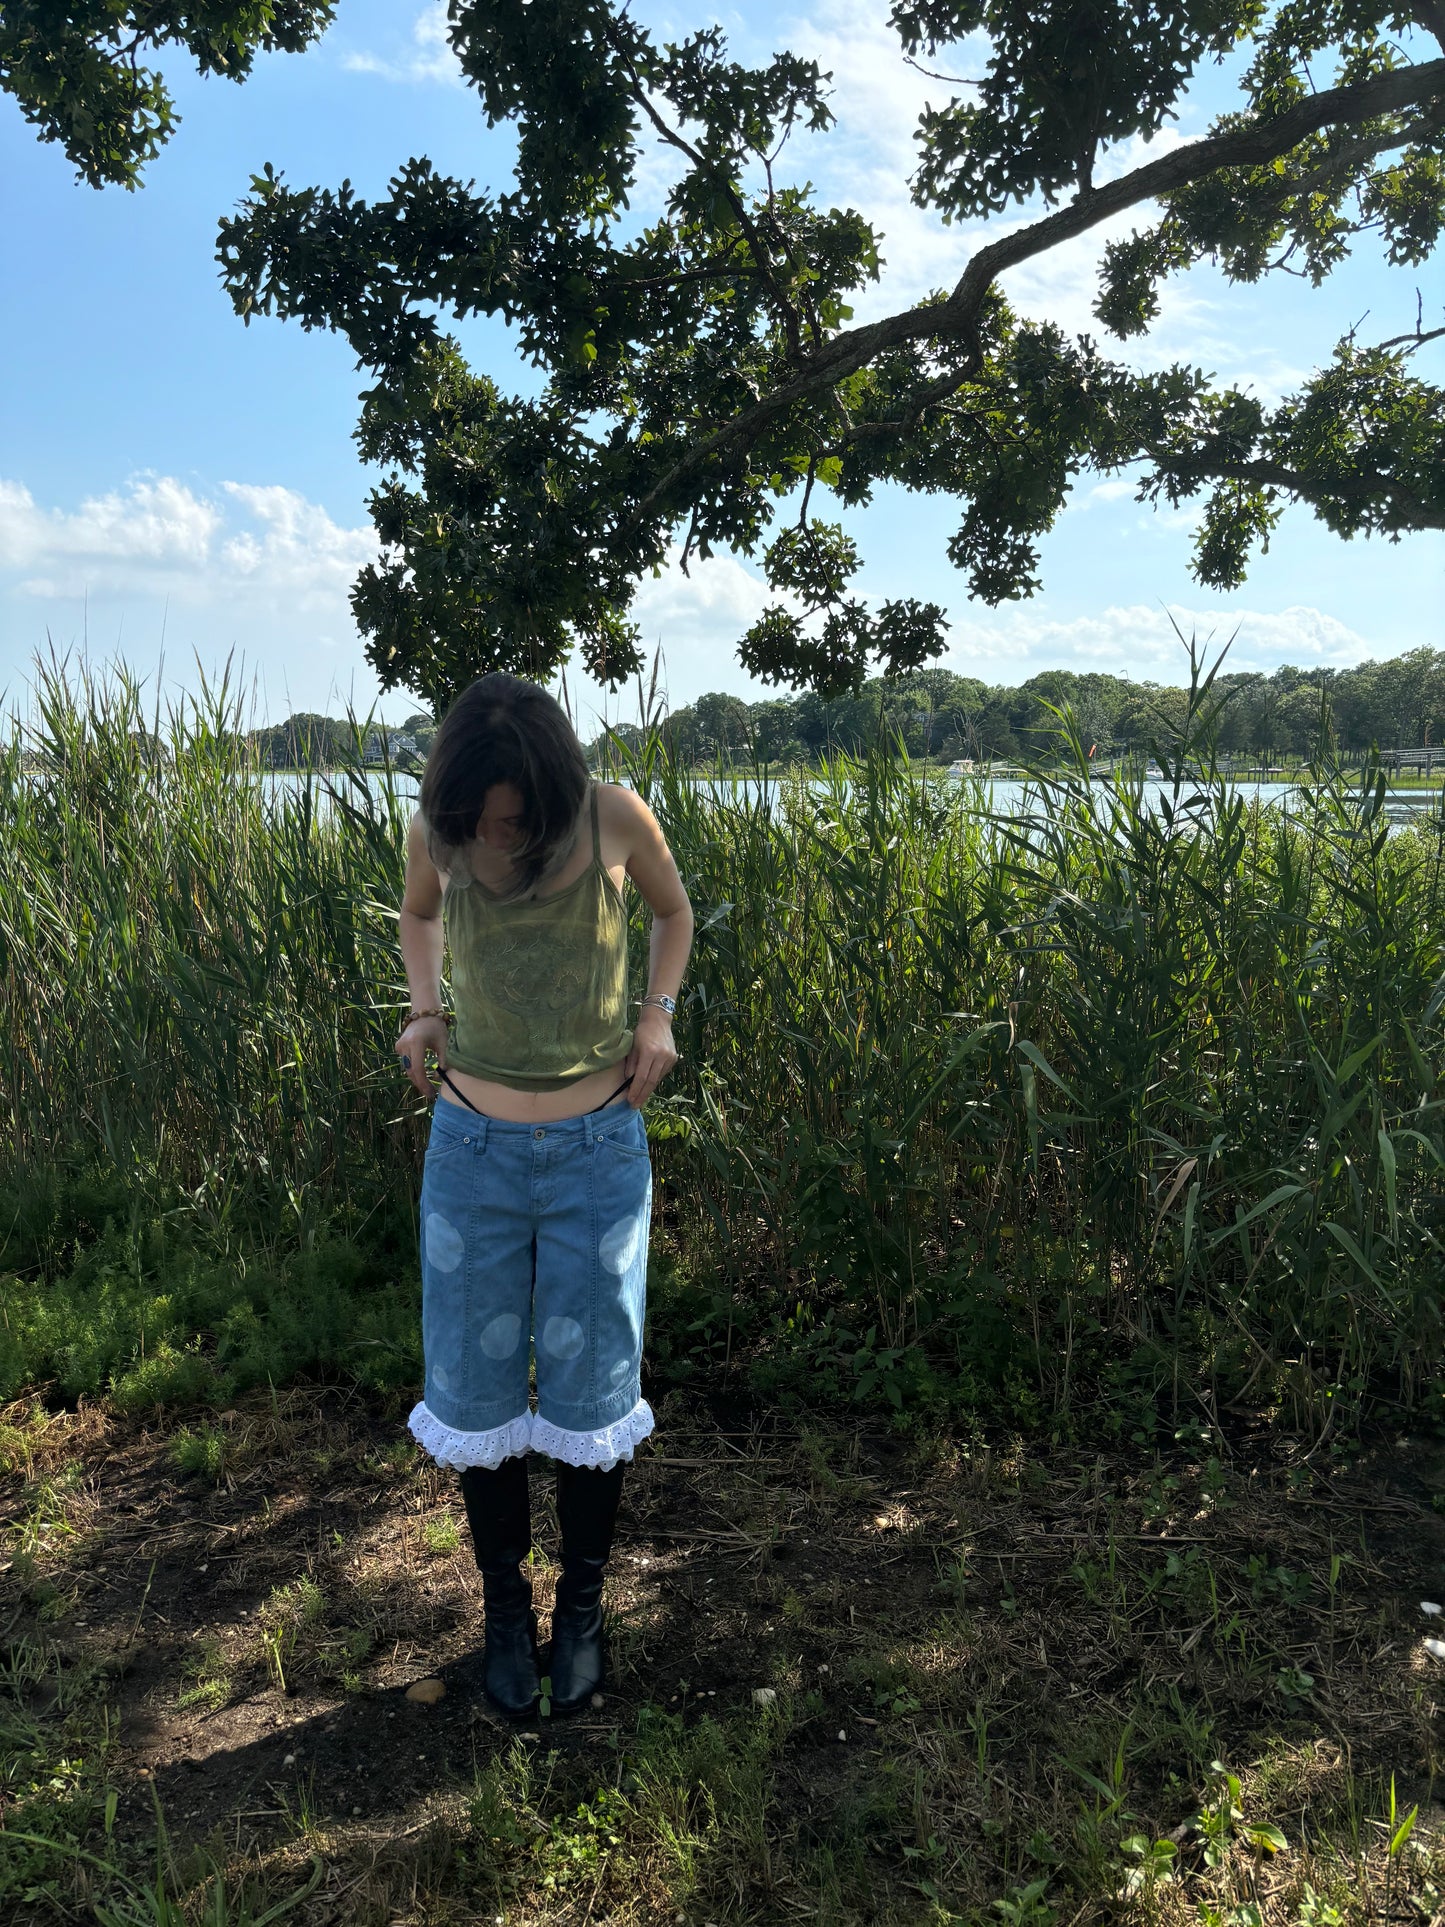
(537, 1189)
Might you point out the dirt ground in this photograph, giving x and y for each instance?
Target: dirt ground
(225, 1617)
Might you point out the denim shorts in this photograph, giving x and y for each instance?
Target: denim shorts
(534, 1235)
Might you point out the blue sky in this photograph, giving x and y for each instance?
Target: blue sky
(175, 487)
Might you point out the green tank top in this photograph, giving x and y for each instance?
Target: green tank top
(539, 984)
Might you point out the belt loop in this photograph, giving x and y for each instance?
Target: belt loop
(479, 1135)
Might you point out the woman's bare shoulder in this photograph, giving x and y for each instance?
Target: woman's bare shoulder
(628, 826)
(622, 811)
(421, 872)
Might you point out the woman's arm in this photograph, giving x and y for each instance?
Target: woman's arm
(650, 865)
(420, 931)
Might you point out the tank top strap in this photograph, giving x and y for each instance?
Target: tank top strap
(596, 831)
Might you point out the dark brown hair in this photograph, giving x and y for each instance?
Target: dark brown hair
(502, 729)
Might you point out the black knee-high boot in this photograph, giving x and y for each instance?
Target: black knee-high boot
(500, 1515)
(587, 1515)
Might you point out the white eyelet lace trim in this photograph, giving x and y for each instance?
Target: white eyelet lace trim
(509, 1441)
(529, 1433)
(601, 1449)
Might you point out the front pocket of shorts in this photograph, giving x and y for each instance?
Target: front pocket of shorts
(446, 1149)
(625, 1145)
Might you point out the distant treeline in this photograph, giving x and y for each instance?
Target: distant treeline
(1394, 704)
(1399, 703)
(310, 741)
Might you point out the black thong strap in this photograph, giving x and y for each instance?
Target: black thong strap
(607, 1100)
(461, 1094)
(481, 1113)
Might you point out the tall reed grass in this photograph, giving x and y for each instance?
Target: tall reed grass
(199, 958)
(1104, 1095)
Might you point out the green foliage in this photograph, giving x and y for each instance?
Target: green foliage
(703, 383)
(75, 71)
(201, 1452)
(1057, 88)
(209, 960)
(934, 713)
(993, 1092)
(1096, 1097)
(151, 1316)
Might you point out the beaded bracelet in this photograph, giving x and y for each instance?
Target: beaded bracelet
(448, 1017)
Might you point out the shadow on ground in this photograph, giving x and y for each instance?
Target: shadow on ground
(852, 1678)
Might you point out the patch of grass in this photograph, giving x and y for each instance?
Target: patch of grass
(440, 1535)
(292, 1624)
(211, 1676)
(54, 1743)
(200, 1452)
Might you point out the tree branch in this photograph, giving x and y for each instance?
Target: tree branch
(1251, 146)
(760, 249)
(1278, 475)
(1415, 339)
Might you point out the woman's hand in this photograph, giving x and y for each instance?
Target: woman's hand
(652, 1056)
(421, 1035)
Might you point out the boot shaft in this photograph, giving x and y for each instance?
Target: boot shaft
(587, 1502)
(499, 1513)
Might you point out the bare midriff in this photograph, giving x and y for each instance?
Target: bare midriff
(535, 1107)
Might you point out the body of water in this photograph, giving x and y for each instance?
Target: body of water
(1006, 796)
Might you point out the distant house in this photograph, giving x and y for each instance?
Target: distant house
(385, 746)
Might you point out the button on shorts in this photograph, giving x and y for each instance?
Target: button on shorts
(534, 1244)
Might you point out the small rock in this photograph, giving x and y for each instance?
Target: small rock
(426, 1692)
(842, 1732)
(356, 1809)
(290, 1760)
(1429, 1608)
(597, 1702)
(764, 1695)
(1435, 1648)
(882, 1521)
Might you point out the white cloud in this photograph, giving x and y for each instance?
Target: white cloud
(1140, 642)
(261, 568)
(265, 570)
(428, 57)
(299, 551)
(695, 621)
(158, 537)
(156, 525)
